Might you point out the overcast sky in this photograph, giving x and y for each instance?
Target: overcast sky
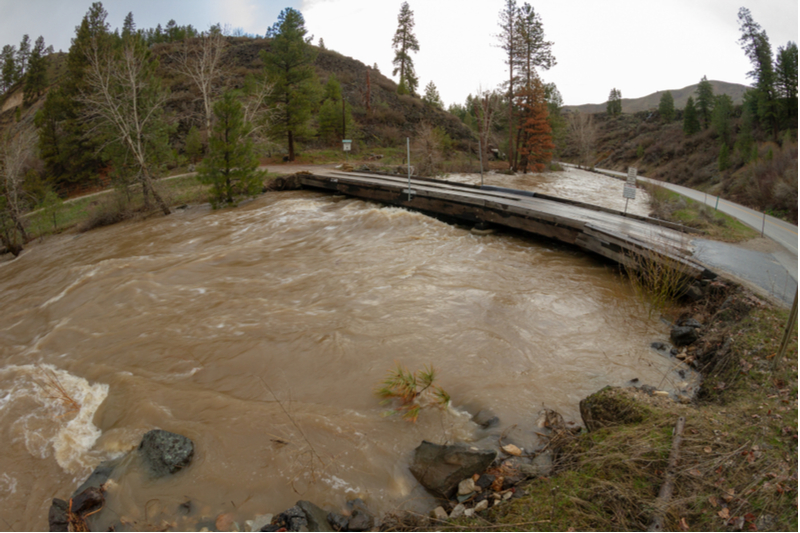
(637, 46)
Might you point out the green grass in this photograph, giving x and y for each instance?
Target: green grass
(738, 455)
(715, 225)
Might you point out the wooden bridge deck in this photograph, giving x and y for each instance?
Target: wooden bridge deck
(621, 238)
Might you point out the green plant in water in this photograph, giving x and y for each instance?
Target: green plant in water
(657, 280)
(410, 391)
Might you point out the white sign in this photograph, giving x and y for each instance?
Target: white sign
(632, 176)
(629, 192)
(346, 143)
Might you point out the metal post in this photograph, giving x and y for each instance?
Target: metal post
(480, 157)
(705, 198)
(408, 161)
(763, 223)
(626, 206)
(717, 205)
(786, 334)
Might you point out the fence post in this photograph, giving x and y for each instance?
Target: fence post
(763, 223)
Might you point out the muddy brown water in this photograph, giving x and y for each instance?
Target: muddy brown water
(261, 332)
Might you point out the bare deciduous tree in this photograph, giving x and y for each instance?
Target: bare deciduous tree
(15, 151)
(125, 103)
(583, 134)
(257, 112)
(488, 106)
(200, 59)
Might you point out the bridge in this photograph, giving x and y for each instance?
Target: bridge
(623, 238)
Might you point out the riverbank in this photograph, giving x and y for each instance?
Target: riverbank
(737, 467)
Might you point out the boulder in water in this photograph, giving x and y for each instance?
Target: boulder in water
(165, 453)
(441, 468)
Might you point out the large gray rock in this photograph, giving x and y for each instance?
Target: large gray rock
(165, 453)
(683, 335)
(440, 468)
(316, 517)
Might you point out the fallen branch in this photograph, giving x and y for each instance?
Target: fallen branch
(665, 494)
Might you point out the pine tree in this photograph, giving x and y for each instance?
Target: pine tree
(128, 26)
(786, 78)
(290, 66)
(335, 116)
(194, 145)
(536, 141)
(666, 107)
(23, 55)
(705, 101)
(9, 67)
(509, 43)
(432, 96)
(70, 153)
(755, 43)
(532, 49)
(721, 117)
(231, 165)
(614, 104)
(404, 42)
(36, 79)
(691, 124)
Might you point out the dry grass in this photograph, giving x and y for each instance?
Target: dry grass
(53, 389)
(738, 465)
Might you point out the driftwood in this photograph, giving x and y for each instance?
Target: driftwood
(665, 494)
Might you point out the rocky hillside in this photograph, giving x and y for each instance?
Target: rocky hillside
(650, 102)
(664, 152)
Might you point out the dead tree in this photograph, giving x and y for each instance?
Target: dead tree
(583, 134)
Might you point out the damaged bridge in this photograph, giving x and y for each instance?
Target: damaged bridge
(623, 238)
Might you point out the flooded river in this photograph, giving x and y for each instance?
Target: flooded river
(261, 333)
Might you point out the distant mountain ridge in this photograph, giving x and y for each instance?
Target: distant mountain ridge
(681, 96)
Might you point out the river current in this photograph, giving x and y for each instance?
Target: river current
(261, 333)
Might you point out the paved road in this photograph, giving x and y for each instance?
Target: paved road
(775, 272)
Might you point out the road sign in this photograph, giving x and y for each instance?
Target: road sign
(346, 143)
(632, 176)
(629, 192)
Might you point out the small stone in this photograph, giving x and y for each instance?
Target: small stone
(485, 481)
(439, 513)
(508, 495)
(466, 487)
(258, 522)
(224, 522)
(497, 484)
(338, 521)
(661, 393)
(511, 449)
(316, 517)
(469, 512)
(482, 506)
(458, 511)
(361, 521)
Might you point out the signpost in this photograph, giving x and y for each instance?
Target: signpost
(629, 190)
(346, 144)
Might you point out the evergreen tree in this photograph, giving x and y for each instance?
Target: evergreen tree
(691, 123)
(666, 107)
(36, 80)
(23, 55)
(70, 153)
(532, 50)
(432, 96)
(509, 43)
(614, 104)
(335, 116)
(721, 117)
(705, 101)
(128, 26)
(231, 165)
(536, 141)
(723, 161)
(9, 67)
(404, 42)
(321, 44)
(290, 66)
(786, 78)
(755, 43)
(194, 145)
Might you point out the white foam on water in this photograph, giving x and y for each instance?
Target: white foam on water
(49, 426)
(69, 288)
(8, 485)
